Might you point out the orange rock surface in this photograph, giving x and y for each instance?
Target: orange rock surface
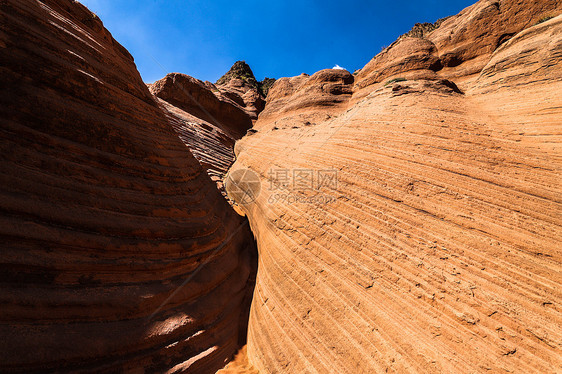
(408, 220)
(208, 117)
(205, 101)
(118, 252)
(240, 364)
(439, 249)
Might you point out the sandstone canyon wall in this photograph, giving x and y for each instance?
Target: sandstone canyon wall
(118, 253)
(439, 248)
(436, 250)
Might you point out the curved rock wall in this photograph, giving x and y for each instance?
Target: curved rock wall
(118, 253)
(460, 47)
(305, 100)
(438, 249)
(519, 87)
(466, 41)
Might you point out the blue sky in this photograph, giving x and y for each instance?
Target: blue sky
(203, 38)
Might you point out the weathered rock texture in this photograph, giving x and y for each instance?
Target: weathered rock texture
(241, 86)
(440, 251)
(210, 117)
(241, 75)
(305, 100)
(461, 46)
(203, 100)
(118, 253)
(211, 146)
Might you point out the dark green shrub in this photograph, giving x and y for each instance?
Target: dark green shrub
(395, 80)
(543, 19)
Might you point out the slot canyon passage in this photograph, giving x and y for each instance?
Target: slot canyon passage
(427, 241)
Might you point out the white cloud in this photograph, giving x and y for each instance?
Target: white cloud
(337, 67)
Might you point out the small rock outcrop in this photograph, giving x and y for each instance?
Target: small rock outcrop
(311, 98)
(410, 57)
(241, 86)
(204, 100)
(210, 117)
(242, 72)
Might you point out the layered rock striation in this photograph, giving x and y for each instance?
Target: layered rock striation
(458, 47)
(304, 100)
(408, 218)
(209, 118)
(118, 253)
(437, 247)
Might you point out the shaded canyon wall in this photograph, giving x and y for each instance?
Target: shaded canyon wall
(118, 252)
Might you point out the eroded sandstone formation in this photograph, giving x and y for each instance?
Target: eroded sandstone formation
(462, 44)
(434, 249)
(240, 84)
(211, 146)
(305, 100)
(209, 118)
(118, 253)
(439, 248)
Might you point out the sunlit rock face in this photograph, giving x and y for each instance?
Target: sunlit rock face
(437, 250)
(118, 252)
(408, 216)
